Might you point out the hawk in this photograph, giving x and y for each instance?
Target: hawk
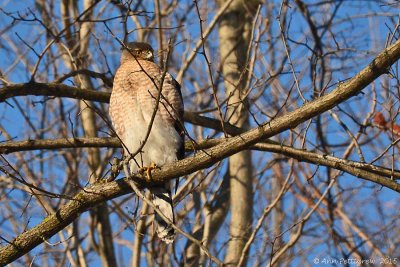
(141, 88)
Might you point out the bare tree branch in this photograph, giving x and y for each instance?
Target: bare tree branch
(98, 193)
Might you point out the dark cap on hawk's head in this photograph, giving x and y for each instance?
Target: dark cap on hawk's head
(138, 50)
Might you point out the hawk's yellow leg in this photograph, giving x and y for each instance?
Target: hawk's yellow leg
(148, 170)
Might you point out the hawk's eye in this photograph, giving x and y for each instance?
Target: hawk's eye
(138, 52)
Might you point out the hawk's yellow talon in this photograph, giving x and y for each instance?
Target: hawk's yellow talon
(148, 170)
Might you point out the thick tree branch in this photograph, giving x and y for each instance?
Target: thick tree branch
(62, 90)
(92, 195)
(352, 167)
(52, 89)
(28, 145)
(290, 120)
(87, 198)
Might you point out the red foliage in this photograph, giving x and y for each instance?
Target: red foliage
(396, 129)
(380, 121)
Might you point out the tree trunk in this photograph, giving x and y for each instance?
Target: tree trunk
(234, 34)
(105, 247)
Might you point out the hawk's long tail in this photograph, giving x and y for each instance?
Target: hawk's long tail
(163, 200)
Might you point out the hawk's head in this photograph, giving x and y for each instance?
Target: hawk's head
(137, 50)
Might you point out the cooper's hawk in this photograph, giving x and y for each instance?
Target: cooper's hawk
(137, 87)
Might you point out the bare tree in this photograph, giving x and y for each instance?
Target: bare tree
(291, 118)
